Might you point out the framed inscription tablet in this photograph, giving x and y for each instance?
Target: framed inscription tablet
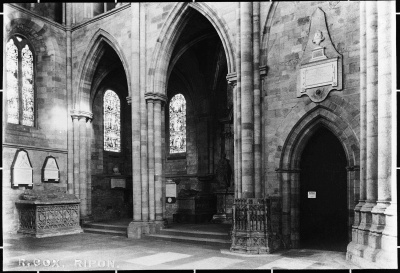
(321, 64)
(50, 170)
(21, 170)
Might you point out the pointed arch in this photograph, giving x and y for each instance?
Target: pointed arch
(305, 128)
(335, 117)
(91, 58)
(266, 32)
(169, 35)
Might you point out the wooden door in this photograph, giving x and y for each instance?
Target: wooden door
(323, 193)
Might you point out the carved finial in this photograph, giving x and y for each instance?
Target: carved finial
(318, 37)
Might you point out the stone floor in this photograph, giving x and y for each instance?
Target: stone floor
(88, 251)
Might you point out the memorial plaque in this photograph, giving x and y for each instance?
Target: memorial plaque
(21, 170)
(320, 64)
(170, 192)
(319, 75)
(118, 183)
(51, 172)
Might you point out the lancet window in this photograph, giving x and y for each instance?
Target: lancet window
(112, 122)
(177, 124)
(20, 82)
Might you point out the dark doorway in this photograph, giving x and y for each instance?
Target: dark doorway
(323, 193)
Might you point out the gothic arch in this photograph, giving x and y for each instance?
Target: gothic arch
(266, 31)
(341, 117)
(169, 35)
(305, 128)
(87, 68)
(337, 116)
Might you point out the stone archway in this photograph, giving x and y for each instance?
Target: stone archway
(91, 58)
(289, 166)
(169, 35)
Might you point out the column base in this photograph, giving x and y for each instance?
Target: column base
(387, 256)
(86, 219)
(137, 229)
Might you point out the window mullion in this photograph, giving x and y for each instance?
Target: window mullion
(20, 99)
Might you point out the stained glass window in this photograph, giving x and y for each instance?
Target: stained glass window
(177, 124)
(20, 82)
(12, 83)
(27, 87)
(112, 122)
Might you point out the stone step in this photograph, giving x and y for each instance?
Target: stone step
(105, 231)
(105, 226)
(195, 233)
(192, 240)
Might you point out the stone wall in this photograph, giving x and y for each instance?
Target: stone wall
(52, 11)
(48, 136)
(285, 38)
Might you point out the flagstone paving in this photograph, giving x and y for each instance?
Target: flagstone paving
(89, 251)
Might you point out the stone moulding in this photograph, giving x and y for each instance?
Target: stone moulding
(48, 218)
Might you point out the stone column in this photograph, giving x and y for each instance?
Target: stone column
(247, 99)
(232, 81)
(151, 162)
(68, 23)
(363, 115)
(83, 166)
(155, 158)
(264, 131)
(158, 159)
(238, 128)
(163, 147)
(295, 208)
(81, 159)
(384, 107)
(257, 100)
(285, 176)
(352, 195)
(89, 130)
(371, 122)
(135, 103)
(143, 118)
(75, 121)
(384, 212)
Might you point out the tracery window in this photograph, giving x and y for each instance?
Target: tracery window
(112, 122)
(20, 82)
(177, 124)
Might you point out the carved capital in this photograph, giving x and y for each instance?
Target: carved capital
(77, 114)
(129, 100)
(263, 71)
(232, 79)
(155, 97)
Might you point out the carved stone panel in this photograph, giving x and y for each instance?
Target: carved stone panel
(50, 171)
(321, 64)
(21, 170)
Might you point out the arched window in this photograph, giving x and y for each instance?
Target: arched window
(177, 124)
(112, 122)
(20, 82)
